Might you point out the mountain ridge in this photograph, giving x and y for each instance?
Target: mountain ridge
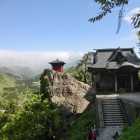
(26, 73)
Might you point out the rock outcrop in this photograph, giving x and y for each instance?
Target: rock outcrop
(71, 95)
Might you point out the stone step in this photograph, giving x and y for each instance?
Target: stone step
(114, 124)
(107, 107)
(111, 110)
(110, 101)
(111, 106)
(111, 116)
(115, 112)
(112, 113)
(103, 102)
(112, 119)
(105, 117)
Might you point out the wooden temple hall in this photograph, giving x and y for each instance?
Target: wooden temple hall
(116, 70)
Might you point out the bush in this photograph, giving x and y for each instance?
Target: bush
(78, 129)
(132, 132)
(34, 121)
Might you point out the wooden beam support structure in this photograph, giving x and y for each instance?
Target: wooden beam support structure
(115, 83)
(131, 83)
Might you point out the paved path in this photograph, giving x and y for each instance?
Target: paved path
(134, 97)
(107, 132)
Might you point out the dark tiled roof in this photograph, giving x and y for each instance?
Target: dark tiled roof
(57, 62)
(115, 58)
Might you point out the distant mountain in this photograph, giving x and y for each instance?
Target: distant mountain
(70, 70)
(6, 81)
(26, 73)
(9, 71)
(14, 76)
(15, 68)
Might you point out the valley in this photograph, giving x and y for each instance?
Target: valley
(15, 86)
(17, 83)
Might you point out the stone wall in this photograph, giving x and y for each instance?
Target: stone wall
(131, 110)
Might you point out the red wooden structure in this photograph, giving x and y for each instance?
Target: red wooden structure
(57, 65)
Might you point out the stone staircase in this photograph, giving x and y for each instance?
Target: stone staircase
(112, 112)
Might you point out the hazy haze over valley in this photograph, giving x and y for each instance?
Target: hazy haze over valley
(37, 61)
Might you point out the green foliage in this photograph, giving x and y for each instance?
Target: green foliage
(136, 21)
(78, 129)
(44, 84)
(107, 6)
(35, 120)
(132, 132)
(139, 75)
(82, 66)
(3, 103)
(70, 70)
(15, 88)
(9, 71)
(138, 35)
(77, 75)
(8, 115)
(6, 81)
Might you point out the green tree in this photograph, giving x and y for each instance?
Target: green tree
(36, 120)
(107, 6)
(82, 65)
(9, 113)
(77, 75)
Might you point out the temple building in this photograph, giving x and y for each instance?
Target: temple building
(57, 65)
(116, 70)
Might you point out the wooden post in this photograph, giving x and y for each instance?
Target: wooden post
(92, 79)
(95, 79)
(131, 83)
(115, 83)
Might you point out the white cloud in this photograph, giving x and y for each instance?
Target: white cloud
(37, 61)
(91, 4)
(132, 36)
(130, 14)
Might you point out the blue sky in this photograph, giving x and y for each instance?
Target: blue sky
(61, 26)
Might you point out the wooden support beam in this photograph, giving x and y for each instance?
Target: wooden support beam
(131, 83)
(115, 83)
